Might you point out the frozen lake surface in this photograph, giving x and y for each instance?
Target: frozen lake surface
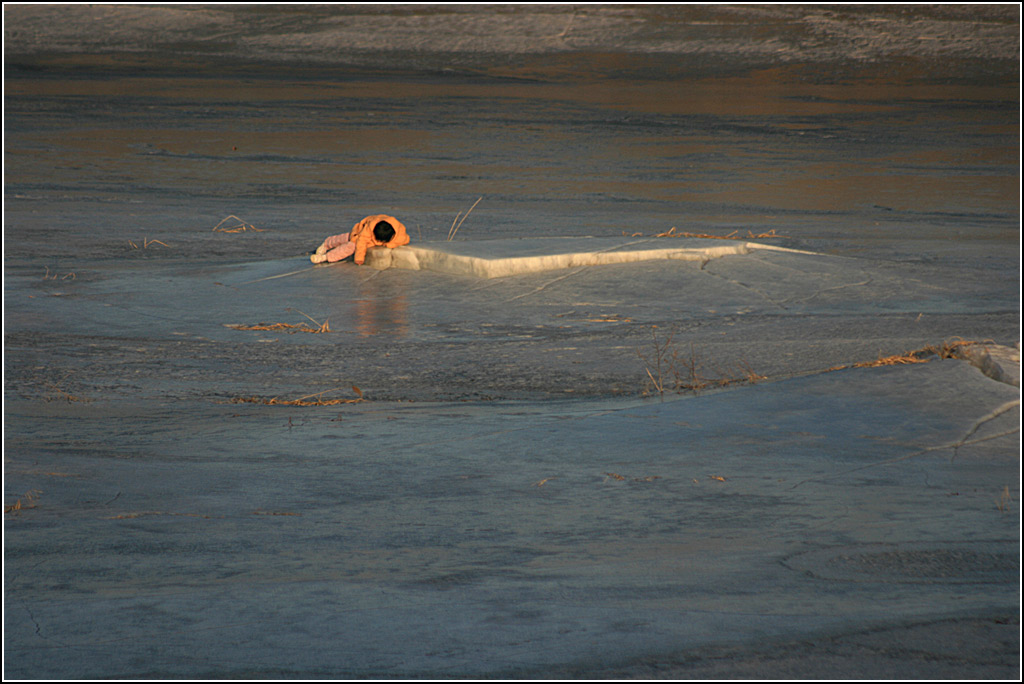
(674, 467)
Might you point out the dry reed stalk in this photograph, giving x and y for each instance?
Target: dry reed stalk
(659, 360)
(142, 514)
(320, 328)
(241, 227)
(288, 327)
(623, 478)
(894, 360)
(65, 396)
(671, 233)
(55, 275)
(303, 401)
(947, 350)
(68, 397)
(609, 318)
(26, 501)
(450, 230)
(693, 382)
(686, 369)
(146, 242)
(1003, 502)
(455, 228)
(749, 377)
(752, 376)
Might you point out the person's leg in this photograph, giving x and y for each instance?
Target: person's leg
(334, 248)
(332, 242)
(340, 252)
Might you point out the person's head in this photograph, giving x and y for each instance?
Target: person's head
(383, 231)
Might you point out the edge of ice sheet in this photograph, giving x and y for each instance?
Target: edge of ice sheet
(445, 258)
(998, 362)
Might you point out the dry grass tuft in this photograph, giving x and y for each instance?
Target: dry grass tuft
(64, 396)
(1003, 502)
(61, 395)
(671, 233)
(657, 365)
(609, 318)
(239, 227)
(23, 502)
(287, 327)
(144, 514)
(55, 275)
(303, 401)
(750, 376)
(623, 478)
(947, 350)
(146, 243)
(668, 369)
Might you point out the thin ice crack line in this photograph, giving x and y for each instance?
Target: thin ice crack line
(746, 287)
(940, 447)
(963, 441)
(494, 433)
(788, 300)
(934, 287)
(584, 415)
(92, 643)
(545, 285)
(39, 628)
(32, 618)
(102, 642)
(992, 415)
(827, 289)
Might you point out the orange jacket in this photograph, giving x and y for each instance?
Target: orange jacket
(362, 235)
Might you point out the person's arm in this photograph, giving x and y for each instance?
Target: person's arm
(361, 235)
(361, 244)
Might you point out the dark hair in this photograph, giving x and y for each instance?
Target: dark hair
(383, 231)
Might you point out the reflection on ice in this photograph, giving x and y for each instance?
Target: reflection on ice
(381, 316)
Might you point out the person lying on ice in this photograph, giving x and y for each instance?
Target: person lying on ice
(372, 231)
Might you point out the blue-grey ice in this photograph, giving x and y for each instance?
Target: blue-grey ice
(569, 442)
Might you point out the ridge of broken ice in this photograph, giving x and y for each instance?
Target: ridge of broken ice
(506, 257)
